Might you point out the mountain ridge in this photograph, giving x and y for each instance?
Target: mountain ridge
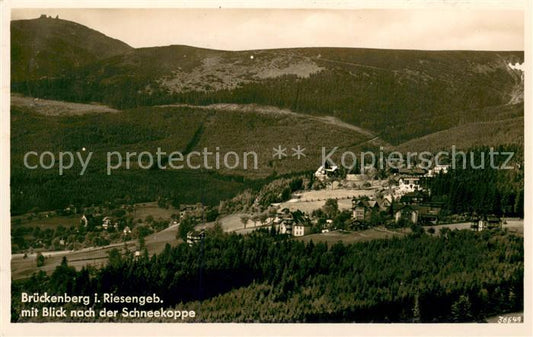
(398, 95)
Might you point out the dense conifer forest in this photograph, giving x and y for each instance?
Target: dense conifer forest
(457, 276)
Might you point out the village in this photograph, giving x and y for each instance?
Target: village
(331, 206)
(349, 202)
(353, 202)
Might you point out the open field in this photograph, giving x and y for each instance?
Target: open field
(351, 237)
(24, 267)
(142, 210)
(45, 222)
(311, 200)
(512, 225)
(230, 223)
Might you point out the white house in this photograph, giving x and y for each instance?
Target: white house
(408, 184)
(437, 169)
(84, 222)
(106, 222)
(325, 171)
(300, 230)
(285, 227)
(194, 237)
(487, 222)
(407, 213)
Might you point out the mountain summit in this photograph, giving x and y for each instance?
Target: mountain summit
(51, 47)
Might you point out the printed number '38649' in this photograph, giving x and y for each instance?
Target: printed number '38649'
(510, 319)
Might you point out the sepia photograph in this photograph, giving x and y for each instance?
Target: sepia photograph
(271, 167)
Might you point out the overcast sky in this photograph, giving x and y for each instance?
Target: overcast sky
(240, 29)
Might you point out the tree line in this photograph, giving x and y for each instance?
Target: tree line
(456, 276)
(483, 191)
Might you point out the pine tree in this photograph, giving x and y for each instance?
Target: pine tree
(461, 310)
(40, 260)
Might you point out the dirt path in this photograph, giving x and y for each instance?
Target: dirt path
(58, 108)
(350, 63)
(61, 108)
(267, 109)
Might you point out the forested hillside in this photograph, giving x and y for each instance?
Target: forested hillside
(398, 94)
(170, 129)
(459, 276)
(493, 189)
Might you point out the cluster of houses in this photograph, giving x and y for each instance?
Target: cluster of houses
(411, 180)
(195, 237)
(407, 179)
(404, 203)
(486, 223)
(285, 222)
(362, 209)
(105, 223)
(411, 208)
(196, 211)
(101, 222)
